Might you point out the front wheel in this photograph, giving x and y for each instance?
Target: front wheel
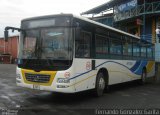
(100, 85)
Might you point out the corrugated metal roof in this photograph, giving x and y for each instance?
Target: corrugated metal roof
(105, 26)
(102, 7)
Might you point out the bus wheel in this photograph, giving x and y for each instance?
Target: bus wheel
(143, 77)
(100, 85)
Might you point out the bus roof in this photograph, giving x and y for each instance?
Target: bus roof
(84, 19)
(105, 26)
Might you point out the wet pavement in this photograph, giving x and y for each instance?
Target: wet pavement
(23, 101)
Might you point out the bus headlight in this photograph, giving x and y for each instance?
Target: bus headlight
(18, 76)
(63, 80)
(18, 81)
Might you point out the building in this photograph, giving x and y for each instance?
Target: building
(9, 50)
(138, 17)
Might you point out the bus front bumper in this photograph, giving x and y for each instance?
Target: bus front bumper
(51, 85)
(61, 88)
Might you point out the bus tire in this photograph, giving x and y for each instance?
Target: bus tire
(143, 76)
(100, 85)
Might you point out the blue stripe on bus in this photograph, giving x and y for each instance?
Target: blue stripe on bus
(112, 62)
(139, 69)
(136, 65)
(136, 69)
(97, 67)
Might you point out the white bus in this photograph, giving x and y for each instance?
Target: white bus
(68, 54)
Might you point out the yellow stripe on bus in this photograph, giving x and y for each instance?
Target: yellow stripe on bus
(79, 82)
(82, 80)
(150, 66)
(123, 73)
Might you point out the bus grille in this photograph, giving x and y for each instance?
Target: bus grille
(39, 78)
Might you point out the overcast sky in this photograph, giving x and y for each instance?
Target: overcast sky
(13, 11)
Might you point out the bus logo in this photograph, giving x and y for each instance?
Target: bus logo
(88, 65)
(67, 75)
(36, 78)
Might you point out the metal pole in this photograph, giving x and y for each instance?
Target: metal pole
(144, 20)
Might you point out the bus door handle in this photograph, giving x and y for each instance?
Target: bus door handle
(93, 64)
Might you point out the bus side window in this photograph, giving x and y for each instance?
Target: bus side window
(101, 46)
(153, 52)
(83, 45)
(115, 47)
(115, 44)
(136, 48)
(149, 52)
(127, 46)
(143, 51)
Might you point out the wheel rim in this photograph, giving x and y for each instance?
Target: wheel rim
(143, 76)
(101, 84)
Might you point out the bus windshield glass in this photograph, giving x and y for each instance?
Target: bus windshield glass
(48, 43)
(45, 47)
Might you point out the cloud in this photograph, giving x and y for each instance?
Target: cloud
(13, 11)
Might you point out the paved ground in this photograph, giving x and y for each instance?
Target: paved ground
(30, 102)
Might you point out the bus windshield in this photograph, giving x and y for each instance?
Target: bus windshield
(47, 43)
(46, 48)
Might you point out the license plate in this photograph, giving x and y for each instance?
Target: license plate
(36, 87)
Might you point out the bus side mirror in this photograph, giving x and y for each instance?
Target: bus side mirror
(6, 35)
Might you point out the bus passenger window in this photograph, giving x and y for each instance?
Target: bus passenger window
(143, 51)
(115, 47)
(127, 46)
(149, 52)
(82, 45)
(153, 52)
(136, 49)
(101, 46)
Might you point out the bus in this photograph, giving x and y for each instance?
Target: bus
(67, 54)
